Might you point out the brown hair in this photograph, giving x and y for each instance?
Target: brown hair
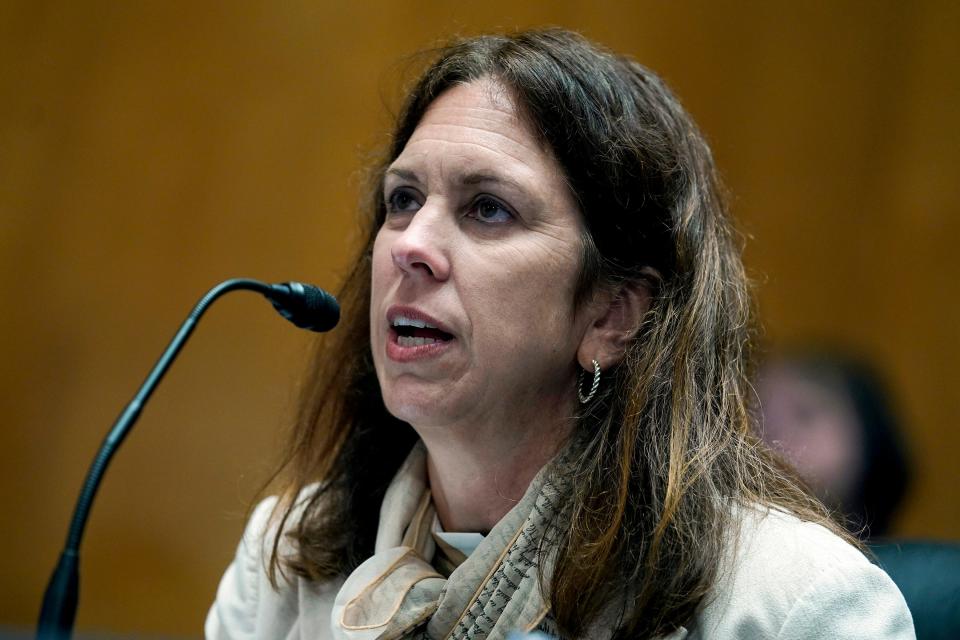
(664, 456)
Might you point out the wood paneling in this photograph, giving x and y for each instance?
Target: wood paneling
(151, 149)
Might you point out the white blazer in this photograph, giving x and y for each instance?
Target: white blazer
(783, 579)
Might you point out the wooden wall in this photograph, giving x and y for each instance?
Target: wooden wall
(151, 149)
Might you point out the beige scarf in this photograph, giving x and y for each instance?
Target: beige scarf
(397, 593)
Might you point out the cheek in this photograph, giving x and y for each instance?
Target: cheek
(381, 267)
(543, 263)
(524, 300)
(381, 262)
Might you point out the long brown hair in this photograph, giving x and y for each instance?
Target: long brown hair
(666, 454)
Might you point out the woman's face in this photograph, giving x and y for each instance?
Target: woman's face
(481, 244)
(811, 419)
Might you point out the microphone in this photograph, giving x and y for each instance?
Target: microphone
(304, 305)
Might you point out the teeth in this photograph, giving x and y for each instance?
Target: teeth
(403, 321)
(411, 341)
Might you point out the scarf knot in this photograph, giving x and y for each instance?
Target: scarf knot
(397, 593)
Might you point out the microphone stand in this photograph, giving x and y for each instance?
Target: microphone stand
(60, 599)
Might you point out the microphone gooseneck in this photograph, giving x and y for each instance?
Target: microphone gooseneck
(304, 305)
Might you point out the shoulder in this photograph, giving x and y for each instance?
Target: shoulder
(786, 578)
(247, 604)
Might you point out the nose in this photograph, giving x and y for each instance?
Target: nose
(422, 248)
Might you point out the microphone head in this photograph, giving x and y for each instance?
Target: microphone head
(305, 305)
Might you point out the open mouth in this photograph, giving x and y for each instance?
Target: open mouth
(410, 332)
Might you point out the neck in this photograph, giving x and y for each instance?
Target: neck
(477, 475)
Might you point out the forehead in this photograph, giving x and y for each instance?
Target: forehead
(480, 120)
(480, 103)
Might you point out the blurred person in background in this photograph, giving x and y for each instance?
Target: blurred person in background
(830, 416)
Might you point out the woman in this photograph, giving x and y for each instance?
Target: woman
(546, 208)
(830, 415)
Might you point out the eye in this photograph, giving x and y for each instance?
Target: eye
(490, 211)
(402, 200)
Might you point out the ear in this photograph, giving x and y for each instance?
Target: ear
(615, 321)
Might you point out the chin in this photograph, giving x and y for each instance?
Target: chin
(412, 411)
(417, 407)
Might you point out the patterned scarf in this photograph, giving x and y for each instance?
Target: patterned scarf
(397, 593)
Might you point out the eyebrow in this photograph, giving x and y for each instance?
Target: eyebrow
(403, 173)
(473, 178)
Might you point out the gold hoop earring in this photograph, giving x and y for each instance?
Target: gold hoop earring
(584, 399)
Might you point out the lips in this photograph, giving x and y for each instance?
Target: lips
(415, 335)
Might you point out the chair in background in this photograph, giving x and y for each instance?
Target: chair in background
(928, 575)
